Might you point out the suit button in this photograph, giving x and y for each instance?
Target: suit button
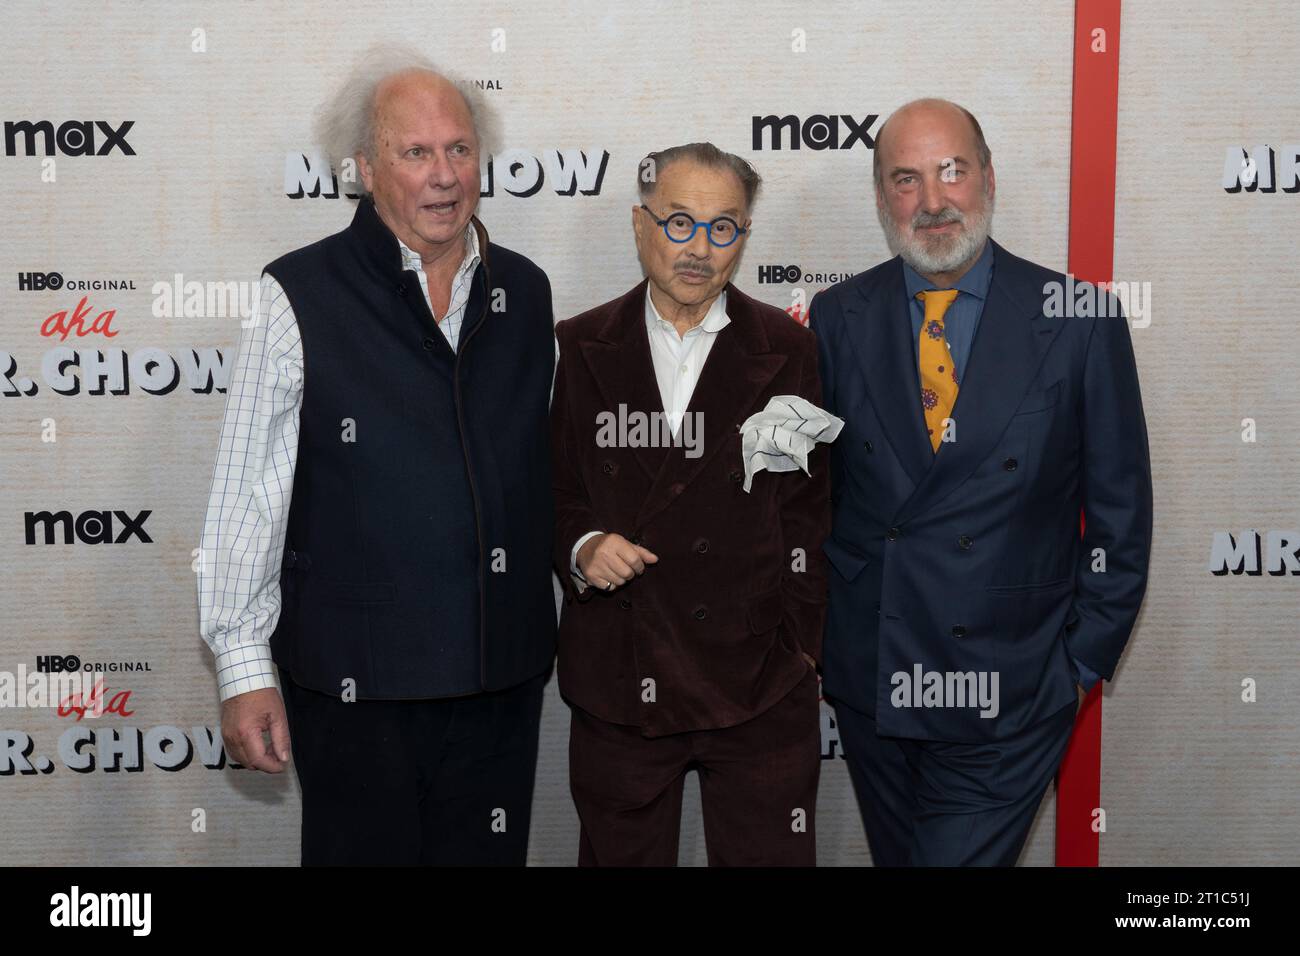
(892, 534)
(958, 631)
(1010, 464)
(702, 546)
(401, 288)
(736, 475)
(428, 345)
(868, 446)
(964, 542)
(624, 603)
(677, 488)
(701, 613)
(608, 467)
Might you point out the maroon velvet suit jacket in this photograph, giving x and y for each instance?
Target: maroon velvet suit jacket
(719, 624)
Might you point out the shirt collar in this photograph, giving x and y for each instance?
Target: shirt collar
(975, 282)
(715, 320)
(411, 258)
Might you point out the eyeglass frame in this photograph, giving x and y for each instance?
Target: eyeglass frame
(696, 225)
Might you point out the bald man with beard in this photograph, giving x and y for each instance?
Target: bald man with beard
(965, 609)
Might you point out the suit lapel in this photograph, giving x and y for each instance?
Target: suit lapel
(879, 329)
(619, 361)
(1009, 346)
(739, 367)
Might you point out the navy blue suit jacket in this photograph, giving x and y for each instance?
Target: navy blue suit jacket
(970, 560)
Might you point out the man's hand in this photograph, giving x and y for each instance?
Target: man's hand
(612, 559)
(244, 717)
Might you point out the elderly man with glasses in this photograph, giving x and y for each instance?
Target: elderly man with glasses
(691, 629)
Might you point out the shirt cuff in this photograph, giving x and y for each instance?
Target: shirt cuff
(1085, 677)
(243, 668)
(579, 581)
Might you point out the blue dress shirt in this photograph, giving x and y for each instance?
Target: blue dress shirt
(962, 319)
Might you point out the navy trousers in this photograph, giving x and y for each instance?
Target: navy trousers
(931, 803)
(443, 782)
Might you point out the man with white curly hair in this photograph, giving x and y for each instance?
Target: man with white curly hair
(379, 529)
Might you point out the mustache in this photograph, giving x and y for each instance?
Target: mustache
(925, 220)
(699, 269)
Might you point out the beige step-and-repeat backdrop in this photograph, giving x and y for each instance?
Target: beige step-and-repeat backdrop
(180, 160)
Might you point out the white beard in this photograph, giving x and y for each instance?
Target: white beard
(941, 253)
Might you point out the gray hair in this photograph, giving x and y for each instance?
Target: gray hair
(706, 154)
(982, 151)
(345, 126)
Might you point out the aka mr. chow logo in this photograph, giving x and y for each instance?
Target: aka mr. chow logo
(1262, 169)
(518, 172)
(89, 527)
(1277, 552)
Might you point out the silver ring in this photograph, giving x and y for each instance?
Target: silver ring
(609, 585)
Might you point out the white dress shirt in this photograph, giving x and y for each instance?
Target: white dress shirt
(248, 508)
(678, 361)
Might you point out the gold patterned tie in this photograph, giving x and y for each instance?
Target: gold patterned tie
(938, 375)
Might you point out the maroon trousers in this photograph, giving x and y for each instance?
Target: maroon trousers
(758, 787)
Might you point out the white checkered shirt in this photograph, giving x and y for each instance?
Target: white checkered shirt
(248, 508)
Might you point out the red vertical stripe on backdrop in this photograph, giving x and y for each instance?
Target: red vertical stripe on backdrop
(1091, 257)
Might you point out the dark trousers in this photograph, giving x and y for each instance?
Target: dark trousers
(931, 803)
(758, 787)
(404, 782)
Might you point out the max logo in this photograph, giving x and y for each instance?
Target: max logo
(815, 132)
(73, 138)
(90, 527)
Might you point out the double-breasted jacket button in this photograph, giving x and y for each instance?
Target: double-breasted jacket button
(736, 475)
(401, 288)
(701, 546)
(701, 613)
(1010, 464)
(964, 542)
(868, 446)
(677, 487)
(958, 631)
(624, 603)
(892, 534)
(609, 468)
(428, 344)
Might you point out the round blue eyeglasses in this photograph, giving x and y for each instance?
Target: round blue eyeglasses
(679, 227)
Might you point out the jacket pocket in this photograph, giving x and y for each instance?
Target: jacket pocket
(1059, 584)
(848, 564)
(1041, 400)
(764, 612)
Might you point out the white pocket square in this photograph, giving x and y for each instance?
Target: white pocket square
(780, 437)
